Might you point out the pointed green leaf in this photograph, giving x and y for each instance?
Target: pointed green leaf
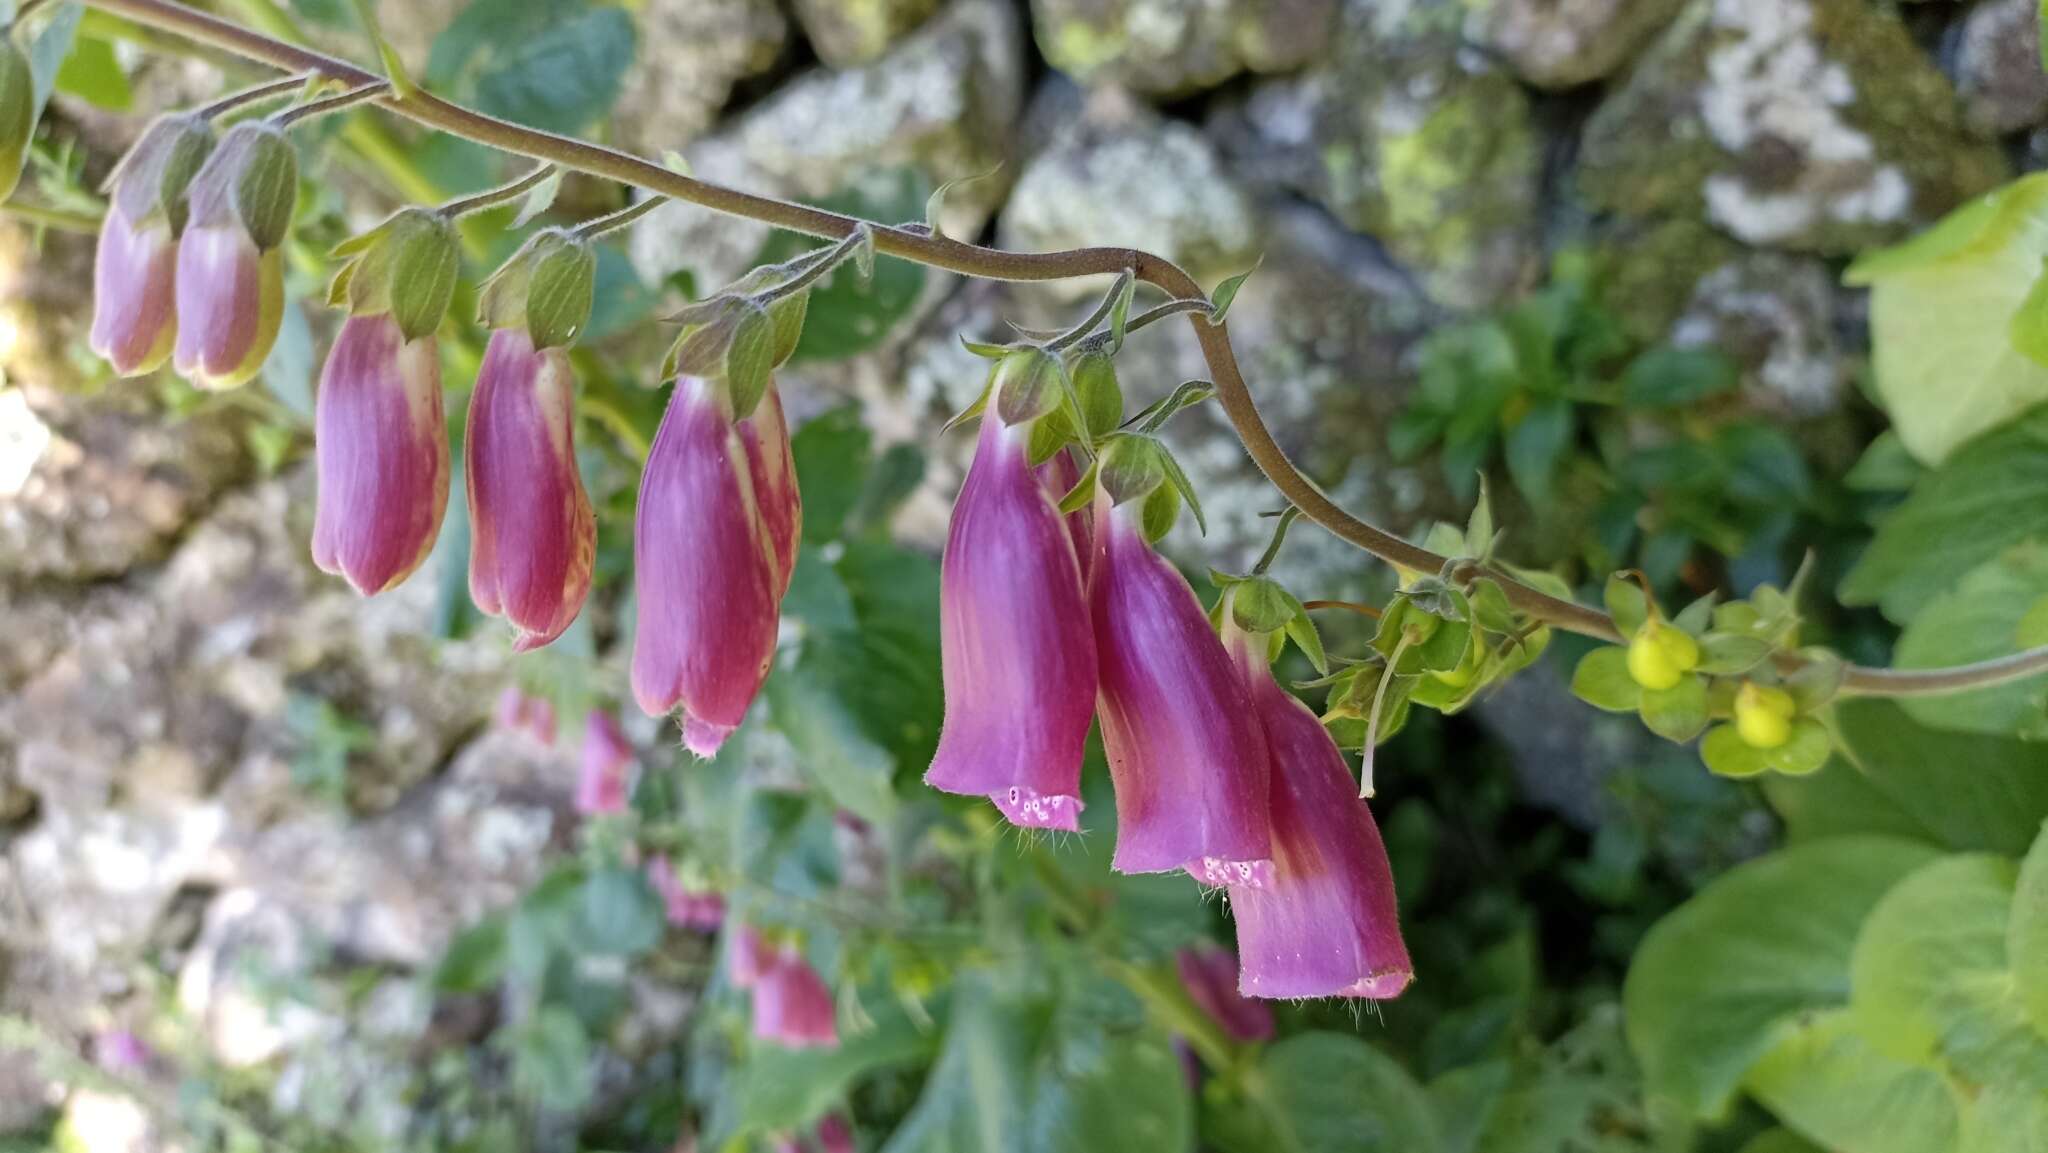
(1226, 292)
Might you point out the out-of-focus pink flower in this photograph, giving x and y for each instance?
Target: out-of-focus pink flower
(606, 764)
(834, 1134)
(134, 316)
(1185, 753)
(747, 956)
(1209, 974)
(381, 446)
(706, 560)
(1325, 923)
(1018, 653)
(121, 1051)
(686, 909)
(789, 1143)
(792, 1005)
(532, 534)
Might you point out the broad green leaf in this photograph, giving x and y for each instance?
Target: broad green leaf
(2006, 1119)
(93, 75)
(1780, 1141)
(1937, 930)
(830, 746)
(1328, 1093)
(551, 1058)
(474, 960)
(1885, 466)
(552, 64)
(1957, 790)
(1673, 377)
(2027, 940)
(1826, 1082)
(781, 1089)
(1536, 443)
(621, 916)
(1991, 494)
(1719, 980)
(1979, 619)
(1945, 365)
(1030, 1072)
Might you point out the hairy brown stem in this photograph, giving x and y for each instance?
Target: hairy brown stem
(915, 244)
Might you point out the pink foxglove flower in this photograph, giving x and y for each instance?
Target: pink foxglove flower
(532, 534)
(381, 446)
(706, 558)
(1018, 654)
(834, 1134)
(792, 1005)
(1185, 753)
(606, 764)
(1325, 923)
(134, 318)
(747, 956)
(230, 272)
(1209, 974)
(685, 908)
(772, 470)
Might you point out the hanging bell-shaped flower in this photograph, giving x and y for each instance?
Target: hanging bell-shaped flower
(230, 274)
(135, 316)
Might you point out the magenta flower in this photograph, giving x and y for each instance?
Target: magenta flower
(120, 1051)
(685, 908)
(772, 471)
(607, 762)
(747, 956)
(1018, 657)
(230, 273)
(532, 534)
(834, 1134)
(792, 1005)
(381, 447)
(134, 318)
(707, 562)
(1209, 974)
(1325, 923)
(1185, 754)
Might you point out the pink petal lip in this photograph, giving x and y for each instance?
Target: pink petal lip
(1027, 808)
(134, 294)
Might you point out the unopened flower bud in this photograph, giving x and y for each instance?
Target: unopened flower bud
(1209, 974)
(230, 277)
(135, 319)
(533, 537)
(606, 764)
(17, 113)
(1763, 715)
(686, 908)
(381, 450)
(793, 1007)
(1659, 654)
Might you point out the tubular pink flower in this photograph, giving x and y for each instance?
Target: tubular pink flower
(230, 302)
(709, 574)
(1018, 655)
(834, 1134)
(1185, 753)
(134, 316)
(1325, 924)
(1209, 974)
(772, 469)
(381, 447)
(685, 909)
(532, 534)
(606, 764)
(747, 956)
(792, 1005)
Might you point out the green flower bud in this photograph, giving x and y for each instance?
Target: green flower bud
(1660, 654)
(1102, 399)
(17, 113)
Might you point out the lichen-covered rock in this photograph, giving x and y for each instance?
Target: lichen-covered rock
(849, 32)
(1773, 314)
(1119, 174)
(1409, 138)
(1650, 267)
(1998, 66)
(942, 103)
(1563, 43)
(1174, 47)
(692, 54)
(1814, 125)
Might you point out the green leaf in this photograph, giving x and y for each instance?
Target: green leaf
(1941, 322)
(1992, 494)
(847, 314)
(834, 752)
(833, 453)
(1034, 1072)
(1718, 981)
(557, 65)
(1780, 1141)
(1102, 399)
(781, 1089)
(2029, 329)
(1678, 713)
(1226, 292)
(1727, 754)
(1979, 619)
(475, 960)
(1933, 933)
(1957, 790)
(1885, 466)
(1667, 377)
(1602, 680)
(622, 916)
(551, 1058)
(1327, 1093)
(1536, 443)
(1825, 1081)
(52, 43)
(2027, 935)
(93, 75)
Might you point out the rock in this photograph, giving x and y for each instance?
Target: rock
(1774, 315)
(26, 1093)
(1998, 66)
(1171, 48)
(849, 32)
(1812, 125)
(942, 104)
(693, 53)
(1408, 137)
(1564, 43)
(1121, 175)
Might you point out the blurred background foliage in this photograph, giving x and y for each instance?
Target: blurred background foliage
(1593, 251)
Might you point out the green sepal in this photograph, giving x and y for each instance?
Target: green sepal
(1697, 616)
(986, 349)
(1627, 604)
(267, 186)
(425, 262)
(153, 177)
(1678, 713)
(1161, 509)
(1128, 468)
(1302, 631)
(973, 410)
(1027, 385)
(749, 359)
(1727, 754)
(1731, 654)
(17, 113)
(1226, 292)
(1806, 752)
(561, 291)
(1083, 493)
(1259, 605)
(1183, 486)
(1049, 434)
(1101, 398)
(1185, 395)
(788, 314)
(1603, 681)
